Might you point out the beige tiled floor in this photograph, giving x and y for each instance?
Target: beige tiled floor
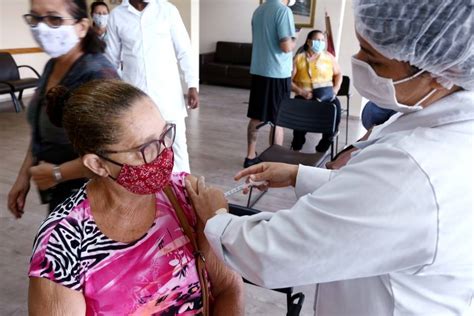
(217, 140)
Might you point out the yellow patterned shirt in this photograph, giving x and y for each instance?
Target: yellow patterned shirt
(312, 74)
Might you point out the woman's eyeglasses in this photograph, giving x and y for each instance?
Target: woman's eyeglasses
(53, 21)
(152, 149)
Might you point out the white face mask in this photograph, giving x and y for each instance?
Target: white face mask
(55, 41)
(100, 20)
(291, 3)
(381, 90)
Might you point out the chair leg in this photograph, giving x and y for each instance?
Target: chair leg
(250, 197)
(294, 303)
(251, 203)
(347, 120)
(16, 102)
(260, 195)
(20, 95)
(272, 134)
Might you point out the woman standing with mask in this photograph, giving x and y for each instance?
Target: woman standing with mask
(61, 28)
(100, 15)
(390, 233)
(316, 75)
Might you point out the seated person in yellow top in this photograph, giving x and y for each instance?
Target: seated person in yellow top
(316, 75)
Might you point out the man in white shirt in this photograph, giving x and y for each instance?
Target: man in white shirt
(149, 37)
(390, 233)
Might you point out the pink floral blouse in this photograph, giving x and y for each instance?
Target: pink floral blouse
(155, 275)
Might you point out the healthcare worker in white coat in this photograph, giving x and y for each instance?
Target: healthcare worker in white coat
(391, 232)
(148, 38)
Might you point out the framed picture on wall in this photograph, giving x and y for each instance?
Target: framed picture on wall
(303, 12)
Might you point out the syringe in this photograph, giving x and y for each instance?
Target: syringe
(244, 186)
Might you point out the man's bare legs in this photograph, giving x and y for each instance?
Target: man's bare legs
(252, 138)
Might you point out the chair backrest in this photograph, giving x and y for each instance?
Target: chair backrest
(8, 68)
(345, 87)
(307, 115)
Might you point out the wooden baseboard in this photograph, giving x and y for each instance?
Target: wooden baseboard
(25, 50)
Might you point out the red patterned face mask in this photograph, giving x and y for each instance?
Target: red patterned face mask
(148, 178)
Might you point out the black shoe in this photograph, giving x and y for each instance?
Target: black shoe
(323, 145)
(250, 162)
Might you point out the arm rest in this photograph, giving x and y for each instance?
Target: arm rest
(26, 66)
(206, 58)
(12, 88)
(241, 210)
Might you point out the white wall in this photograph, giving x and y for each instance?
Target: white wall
(15, 33)
(225, 20)
(189, 11)
(229, 20)
(350, 46)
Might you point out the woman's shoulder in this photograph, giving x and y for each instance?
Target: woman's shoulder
(98, 66)
(58, 239)
(300, 55)
(179, 178)
(328, 55)
(178, 184)
(70, 211)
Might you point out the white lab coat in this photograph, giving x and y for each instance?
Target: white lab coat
(388, 234)
(150, 44)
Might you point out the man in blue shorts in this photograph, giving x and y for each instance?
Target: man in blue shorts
(273, 39)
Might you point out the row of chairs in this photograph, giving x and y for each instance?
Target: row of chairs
(10, 81)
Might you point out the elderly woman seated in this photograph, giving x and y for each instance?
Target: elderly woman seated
(129, 241)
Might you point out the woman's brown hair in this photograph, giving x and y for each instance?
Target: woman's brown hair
(91, 43)
(90, 113)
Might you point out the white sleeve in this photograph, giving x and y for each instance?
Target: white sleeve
(183, 49)
(113, 49)
(376, 215)
(311, 178)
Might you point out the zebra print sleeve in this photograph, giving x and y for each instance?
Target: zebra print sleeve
(56, 253)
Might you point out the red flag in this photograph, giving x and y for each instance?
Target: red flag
(330, 41)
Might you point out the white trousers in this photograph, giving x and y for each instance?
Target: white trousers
(180, 148)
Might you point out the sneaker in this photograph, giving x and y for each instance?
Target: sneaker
(323, 145)
(250, 162)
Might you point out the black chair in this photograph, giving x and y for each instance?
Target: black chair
(306, 115)
(344, 91)
(10, 81)
(294, 302)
